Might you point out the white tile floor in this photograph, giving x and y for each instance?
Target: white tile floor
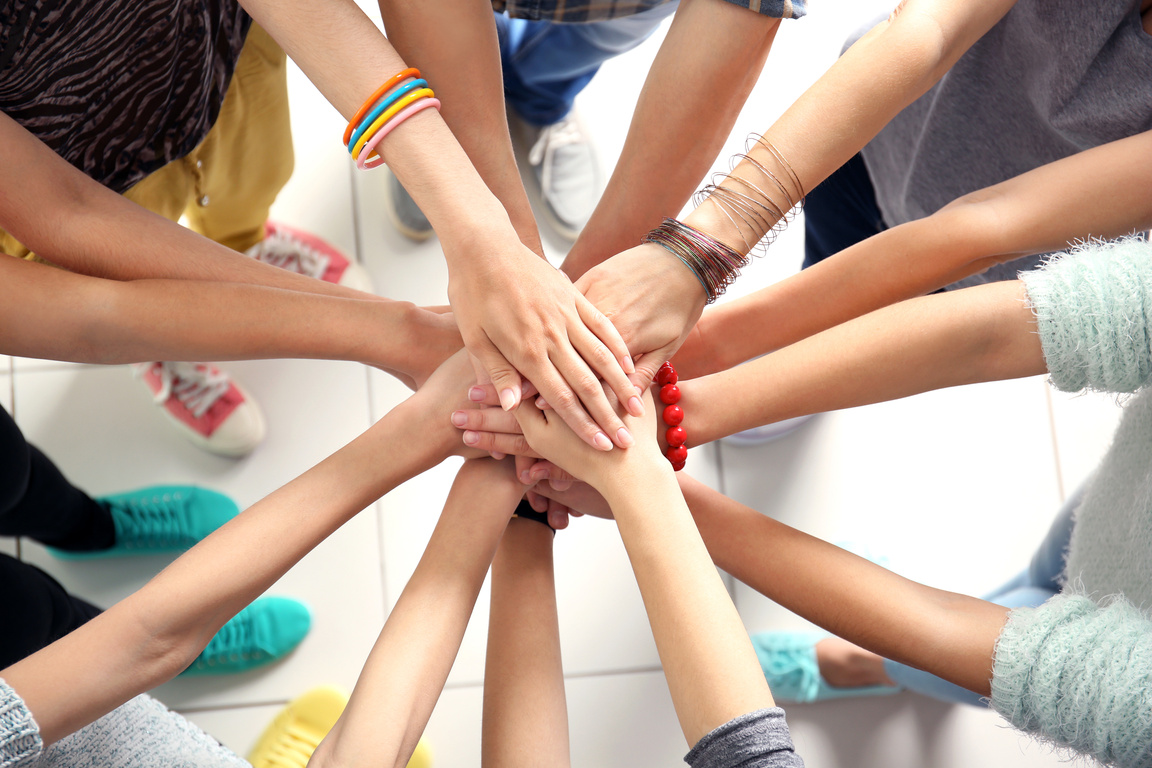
(954, 488)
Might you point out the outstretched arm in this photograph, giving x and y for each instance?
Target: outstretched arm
(1037, 212)
(525, 713)
(407, 667)
(891, 66)
(109, 321)
(712, 671)
(155, 633)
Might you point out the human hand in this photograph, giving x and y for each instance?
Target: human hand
(652, 299)
(444, 393)
(578, 498)
(520, 316)
(549, 436)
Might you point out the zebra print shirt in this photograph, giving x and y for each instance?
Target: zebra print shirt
(118, 88)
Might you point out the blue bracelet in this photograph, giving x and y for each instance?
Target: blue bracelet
(389, 99)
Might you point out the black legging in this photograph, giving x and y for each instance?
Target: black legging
(38, 502)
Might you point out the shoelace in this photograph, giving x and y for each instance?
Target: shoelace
(551, 138)
(797, 672)
(159, 520)
(286, 252)
(293, 749)
(197, 385)
(235, 641)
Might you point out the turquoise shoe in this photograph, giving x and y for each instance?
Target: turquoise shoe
(163, 518)
(261, 633)
(789, 663)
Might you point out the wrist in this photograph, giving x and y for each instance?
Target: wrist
(683, 289)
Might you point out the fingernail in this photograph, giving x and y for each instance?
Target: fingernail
(507, 399)
(541, 403)
(459, 418)
(471, 438)
(540, 474)
(624, 438)
(602, 442)
(524, 478)
(635, 406)
(476, 394)
(626, 362)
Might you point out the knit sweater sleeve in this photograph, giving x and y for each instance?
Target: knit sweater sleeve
(1093, 309)
(20, 743)
(758, 739)
(1077, 674)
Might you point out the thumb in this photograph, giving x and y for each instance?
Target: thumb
(504, 378)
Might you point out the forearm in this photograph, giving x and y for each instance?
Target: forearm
(407, 667)
(986, 333)
(525, 713)
(454, 44)
(1037, 212)
(949, 635)
(707, 65)
(106, 322)
(708, 661)
(155, 633)
(882, 73)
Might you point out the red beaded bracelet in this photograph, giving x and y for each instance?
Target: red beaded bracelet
(673, 415)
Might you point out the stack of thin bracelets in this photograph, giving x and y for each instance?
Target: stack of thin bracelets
(748, 207)
(402, 95)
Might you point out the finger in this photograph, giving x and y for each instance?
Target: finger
(498, 443)
(584, 398)
(597, 356)
(599, 324)
(486, 394)
(568, 401)
(486, 420)
(557, 515)
(647, 365)
(524, 465)
(536, 501)
(496, 455)
(559, 478)
(503, 376)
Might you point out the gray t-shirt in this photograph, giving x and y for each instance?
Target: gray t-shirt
(758, 739)
(1052, 78)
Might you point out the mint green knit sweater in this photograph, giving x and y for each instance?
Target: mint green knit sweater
(1077, 670)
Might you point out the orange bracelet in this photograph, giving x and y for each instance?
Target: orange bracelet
(388, 85)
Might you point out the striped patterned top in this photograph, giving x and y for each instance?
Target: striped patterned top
(601, 10)
(118, 88)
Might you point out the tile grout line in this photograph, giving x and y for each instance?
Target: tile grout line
(1055, 442)
(642, 670)
(228, 707)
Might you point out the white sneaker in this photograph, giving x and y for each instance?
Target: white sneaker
(306, 254)
(566, 168)
(206, 406)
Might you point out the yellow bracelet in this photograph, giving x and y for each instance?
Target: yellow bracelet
(389, 113)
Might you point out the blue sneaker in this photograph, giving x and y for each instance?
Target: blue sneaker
(261, 633)
(789, 663)
(163, 518)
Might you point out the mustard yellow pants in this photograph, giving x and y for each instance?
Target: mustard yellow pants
(226, 186)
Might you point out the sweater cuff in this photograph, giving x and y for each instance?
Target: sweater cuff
(1076, 674)
(20, 742)
(1092, 311)
(759, 738)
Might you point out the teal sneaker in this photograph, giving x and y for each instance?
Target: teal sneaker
(163, 518)
(261, 633)
(789, 663)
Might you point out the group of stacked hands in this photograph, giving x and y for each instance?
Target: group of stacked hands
(554, 398)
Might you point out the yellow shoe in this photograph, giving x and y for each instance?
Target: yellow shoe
(294, 734)
(421, 756)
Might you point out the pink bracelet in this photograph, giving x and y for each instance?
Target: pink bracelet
(362, 162)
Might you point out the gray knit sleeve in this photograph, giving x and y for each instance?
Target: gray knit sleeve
(1093, 309)
(758, 739)
(20, 743)
(1077, 674)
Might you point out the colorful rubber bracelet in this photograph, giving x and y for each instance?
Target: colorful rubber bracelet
(389, 84)
(391, 98)
(363, 162)
(389, 113)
